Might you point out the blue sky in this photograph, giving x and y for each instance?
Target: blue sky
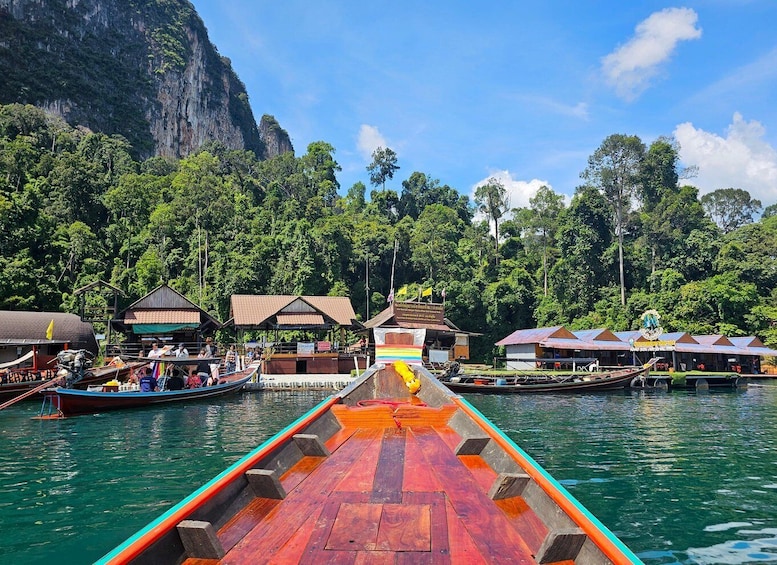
(522, 91)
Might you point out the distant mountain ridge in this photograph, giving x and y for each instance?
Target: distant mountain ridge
(144, 69)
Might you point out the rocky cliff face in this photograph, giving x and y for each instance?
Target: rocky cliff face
(144, 69)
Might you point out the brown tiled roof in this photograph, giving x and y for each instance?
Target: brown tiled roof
(259, 310)
(162, 317)
(300, 319)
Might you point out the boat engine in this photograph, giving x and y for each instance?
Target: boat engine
(72, 365)
(450, 370)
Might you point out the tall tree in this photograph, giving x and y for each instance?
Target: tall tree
(730, 208)
(383, 166)
(659, 173)
(545, 207)
(614, 169)
(491, 199)
(584, 235)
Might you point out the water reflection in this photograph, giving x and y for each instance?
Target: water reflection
(73, 489)
(680, 477)
(660, 469)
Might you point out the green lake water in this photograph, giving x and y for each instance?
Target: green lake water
(680, 477)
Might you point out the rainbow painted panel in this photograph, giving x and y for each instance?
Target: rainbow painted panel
(390, 353)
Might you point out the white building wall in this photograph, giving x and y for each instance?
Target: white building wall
(521, 351)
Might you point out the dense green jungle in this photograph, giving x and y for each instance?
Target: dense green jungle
(78, 207)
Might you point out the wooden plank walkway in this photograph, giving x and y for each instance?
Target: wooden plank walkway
(390, 492)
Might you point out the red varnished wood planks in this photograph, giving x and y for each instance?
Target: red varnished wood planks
(489, 528)
(440, 553)
(394, 414)
(338, 438)
(418, 476)
(405, 528)
(320, 532)
(300, 504)
(525, 520)
(361, 477)
(387, 486)
(390, 495)
(299, 472)
(356, 527)
(462, 547)
(243, 522)
(481, 471)
(449, 436)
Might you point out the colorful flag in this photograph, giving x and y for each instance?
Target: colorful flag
(390, 296)
(427, 292)
(402, 291)
(50, 330)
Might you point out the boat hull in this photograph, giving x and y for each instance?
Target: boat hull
(93, 376)
(374, 474)
(615, 380)
(71, 402)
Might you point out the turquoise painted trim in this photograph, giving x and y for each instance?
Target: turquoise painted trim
(612, 537)
(149, 527)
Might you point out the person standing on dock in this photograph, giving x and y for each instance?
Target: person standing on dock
(155, 353)
(212, 351)
(203, 368)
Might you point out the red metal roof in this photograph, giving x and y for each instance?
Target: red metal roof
(558, 337)
(537, 335)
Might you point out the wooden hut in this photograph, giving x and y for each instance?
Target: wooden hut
(163, 315)
(300, 334)
(443, 341)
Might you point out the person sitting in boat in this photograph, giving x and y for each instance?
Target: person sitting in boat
(175, 381)
(194, 380)
(231, 359)
(203, 368)
(148, 382)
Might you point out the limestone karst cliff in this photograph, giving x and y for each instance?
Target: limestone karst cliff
(144, 69)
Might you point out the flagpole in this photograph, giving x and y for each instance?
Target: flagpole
(393, 264)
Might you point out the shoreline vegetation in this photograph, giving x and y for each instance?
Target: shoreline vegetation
(76, 207)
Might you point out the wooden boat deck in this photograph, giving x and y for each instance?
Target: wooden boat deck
(388, 487)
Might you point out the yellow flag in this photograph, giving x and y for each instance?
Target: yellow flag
(50, 330)
(402, 291)
(427, 292)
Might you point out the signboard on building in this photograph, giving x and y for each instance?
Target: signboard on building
(650, 325)
(419, 313)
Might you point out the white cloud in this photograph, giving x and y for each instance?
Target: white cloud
(631, 67)
(518, 191)
(741, 159)
(369, 140)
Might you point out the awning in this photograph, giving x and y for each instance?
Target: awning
(161, 328)
(27, 356)
(300, 319)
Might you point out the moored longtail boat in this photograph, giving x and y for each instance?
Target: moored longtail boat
(377, 474)
(549, 382)
(63, 402)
